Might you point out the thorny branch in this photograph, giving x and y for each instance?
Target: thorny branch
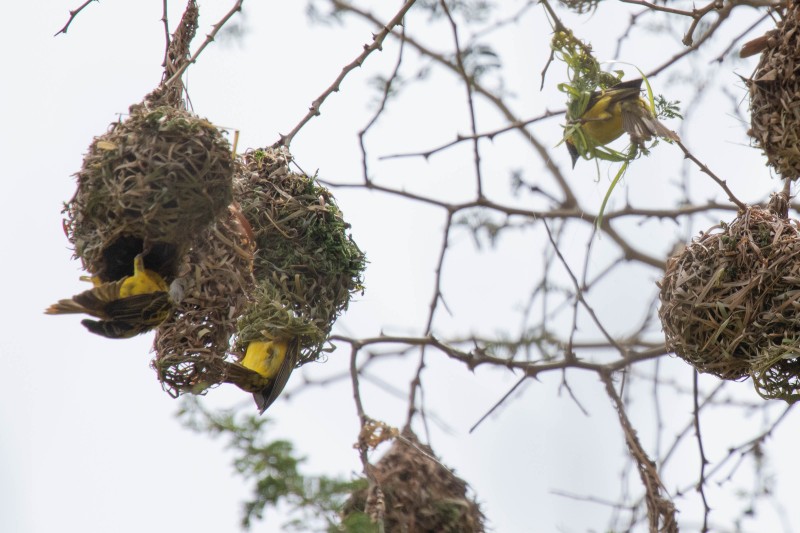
(72, 14)
(376, 44)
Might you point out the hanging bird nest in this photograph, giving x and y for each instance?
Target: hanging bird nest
(216, 278)
(301, 277)
(775, 97)
(730, 301)
(418, 493)
(307, 266)
(151, 183)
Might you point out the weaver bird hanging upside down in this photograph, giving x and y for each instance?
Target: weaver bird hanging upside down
(273, 360)
(127, 307)
(610, 113)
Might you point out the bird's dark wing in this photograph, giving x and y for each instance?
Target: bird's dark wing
(270, 393)
(139, 308)
(128, 317)
(620, 91)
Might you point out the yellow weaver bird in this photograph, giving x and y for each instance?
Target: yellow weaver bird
(273, 360)
(127, 307)
(610, 113)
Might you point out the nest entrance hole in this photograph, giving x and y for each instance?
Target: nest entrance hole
(119, 255)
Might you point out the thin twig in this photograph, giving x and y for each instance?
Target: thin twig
(166, 32)
(467, 79)
(437, 296)
(704, 169)
(377, 44)
(387, 88)
(660, 509)
(498, 403)
(374, 485)
(703, 461)
(209, 38)
(72, 15)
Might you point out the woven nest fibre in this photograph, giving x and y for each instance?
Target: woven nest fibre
(730, 302)
(280, 266)
(419, 494)
(216, 277)
(307, 266)
(775, 97)
(150, 184)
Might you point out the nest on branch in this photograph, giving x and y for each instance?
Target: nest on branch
(730, 301)
(307, 266)
(417, 493)
(775, 97)
(150, 184)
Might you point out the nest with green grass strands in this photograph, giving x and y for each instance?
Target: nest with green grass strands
(775, 97)
(151, 183)
(216, 278)
(418, 493)
(307, 266)
(730, 301)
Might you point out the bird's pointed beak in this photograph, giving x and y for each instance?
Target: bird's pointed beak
(573, 152)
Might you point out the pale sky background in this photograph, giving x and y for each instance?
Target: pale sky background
(89, 440)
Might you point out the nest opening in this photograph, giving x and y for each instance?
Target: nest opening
(730, 302)
(156, 178)
(117, 258)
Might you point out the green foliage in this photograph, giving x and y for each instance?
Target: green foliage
(355, 523)
(273, 468)
(667, 109)
(583, 71)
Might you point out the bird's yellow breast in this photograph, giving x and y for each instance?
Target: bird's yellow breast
(265, 357)
(142, 281)
(603, 123)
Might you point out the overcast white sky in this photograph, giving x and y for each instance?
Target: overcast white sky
(89, 441)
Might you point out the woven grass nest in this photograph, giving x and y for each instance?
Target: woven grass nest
(307, 266)
(216, 277)
(775, 97)
(419, 494)
(151, 183)
(730, 301)
(279, 265)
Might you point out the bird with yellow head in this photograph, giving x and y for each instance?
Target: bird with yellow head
(606, 115)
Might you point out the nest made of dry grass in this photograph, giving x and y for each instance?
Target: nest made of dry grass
(192, 346)
(775, 97)
(420, 495)
(730, 301)
(307, 266)
(153, 181)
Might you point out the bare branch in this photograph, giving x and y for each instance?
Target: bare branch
(376, 44)
(72, 14)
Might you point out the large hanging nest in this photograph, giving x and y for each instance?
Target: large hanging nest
(305, 269)
(307, 266)
(216, 279)
(730, 301)
(775, 97)
(420, 495)
(151, 183)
